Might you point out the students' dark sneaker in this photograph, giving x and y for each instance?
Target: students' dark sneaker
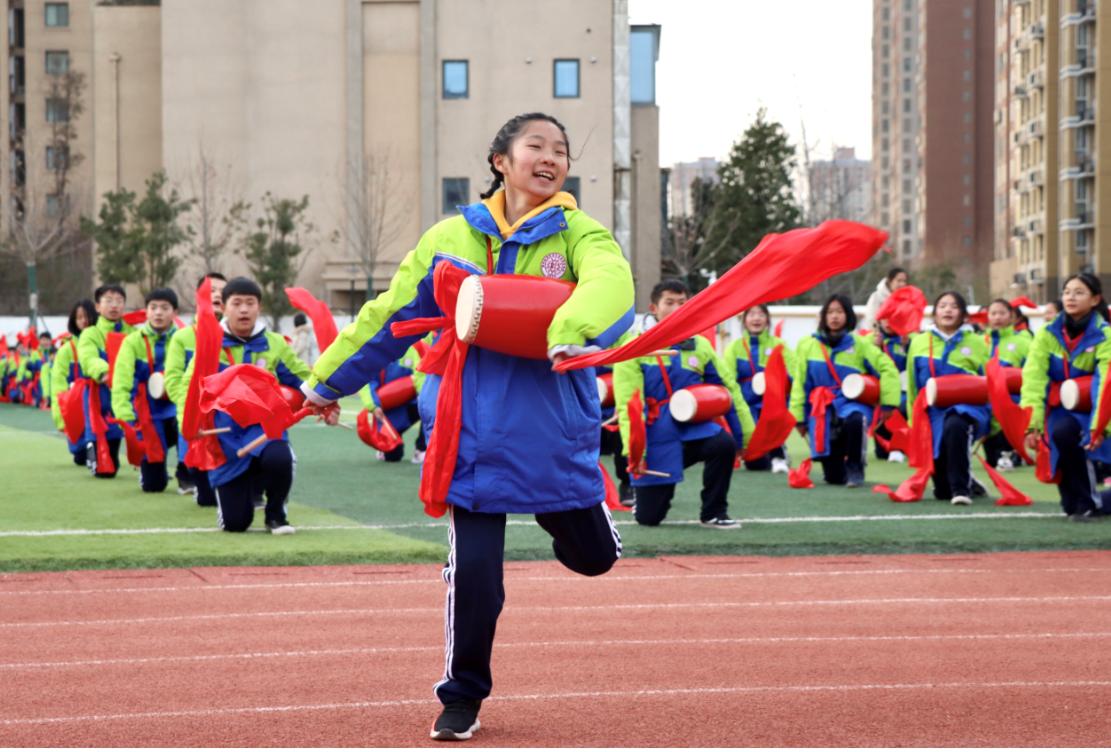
(978, 490)
(1083, 517)
(720, 523)
(280, 527)
(625, 492)
(457, 722)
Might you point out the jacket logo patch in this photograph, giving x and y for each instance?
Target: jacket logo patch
(966, 351)
(553, 266)
(1011, 347)
(692, 361)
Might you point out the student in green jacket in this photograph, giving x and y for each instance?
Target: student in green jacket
(92, 356)
(835, 425)
(179, 353)
(1075, 344)
(66, 371)
(1011, 346)
(950, 347)
(139, 387)
(747, 356)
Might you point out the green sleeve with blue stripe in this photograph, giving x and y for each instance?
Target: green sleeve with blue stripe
(334, 375)
(123, 376)
(177, 388)
(604, 290)
(1035, 377)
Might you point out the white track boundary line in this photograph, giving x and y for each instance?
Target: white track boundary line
(568, 578)
(394, 649)
(599, 695)
(391, 611)
(531, 523)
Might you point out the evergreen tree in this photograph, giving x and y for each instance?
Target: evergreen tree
(754, 196)
(273, 251)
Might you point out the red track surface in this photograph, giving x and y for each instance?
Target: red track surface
(985, 650)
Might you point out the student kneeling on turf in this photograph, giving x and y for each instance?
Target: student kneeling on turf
(138, 384)
(268, 467)
(673, 446)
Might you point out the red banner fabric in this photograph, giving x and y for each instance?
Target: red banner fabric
(903, 310)
(776, 420)
(323, 324)
(250, 396)
(779, 267)
(1013, 419)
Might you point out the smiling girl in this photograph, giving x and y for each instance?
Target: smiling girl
(1075, 344)
(529, 437)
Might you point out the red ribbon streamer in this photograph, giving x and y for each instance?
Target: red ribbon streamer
(799, 477)
(776, 420)
(781, 266)
(323, 324)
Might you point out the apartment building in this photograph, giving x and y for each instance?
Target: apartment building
(841, 187)
(896, 120)
(380, 111)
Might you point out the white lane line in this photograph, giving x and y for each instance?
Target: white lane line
(565, 578)
(533, 645)
(390, 611)
(598, 695)
(531, 523)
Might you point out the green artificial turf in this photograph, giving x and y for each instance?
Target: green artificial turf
(349, 508)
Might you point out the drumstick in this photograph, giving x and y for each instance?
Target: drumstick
(609, 420)
(213, 431)
(655, 473)
(661, 354)
(256, 443)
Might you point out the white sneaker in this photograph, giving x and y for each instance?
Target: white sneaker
(280, 528)
(961, 501)
(780, 465)
(897, 456)
(417, 458)
(1005, 463)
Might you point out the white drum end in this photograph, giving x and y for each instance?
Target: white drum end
(759, 384)
(468, 308)
(852, 386)
(931, 392)
(1070, 394)
(682, 405)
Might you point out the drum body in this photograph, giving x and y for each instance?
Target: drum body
(605, 389)
(509, 313)
(957, 389)
(1014, 379)
(700, 403)
(1076, 394)
(860, 387)
(293, 397)
(396, 393)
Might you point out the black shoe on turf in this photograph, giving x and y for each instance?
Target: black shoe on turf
(625, 492)
(720, 523)
(978, 490)
(457, 722)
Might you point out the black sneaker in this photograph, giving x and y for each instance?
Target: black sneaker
(720, 523)
(457, 722)
(625, 492)
(1083, 517)
(978, 490)
(855, 478)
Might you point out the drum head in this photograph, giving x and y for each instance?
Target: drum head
(903, 380)
(852, 386)
(931, 392)
(682, 405)
(468, 308)
(759, 383)
(156, 385)
(1070, 394)
(603, 389)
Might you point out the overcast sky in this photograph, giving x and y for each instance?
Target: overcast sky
(806, 61)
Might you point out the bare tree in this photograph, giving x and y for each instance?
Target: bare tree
(373, 216)
(45, 215)
(218, 211)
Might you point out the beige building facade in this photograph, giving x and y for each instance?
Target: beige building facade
(1057, 76)
(380, 111)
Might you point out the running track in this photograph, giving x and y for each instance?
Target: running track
(993, 650)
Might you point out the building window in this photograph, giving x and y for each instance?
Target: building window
(57, 110)
(456, 83)
(55, 158)
(457, 192)
(57, 14)
(57, 62)
(573, 185)
(565, 79)
(644, 51)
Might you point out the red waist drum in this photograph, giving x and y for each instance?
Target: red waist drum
(958, 389)
(861, 387)
(509, 313)
(700, 403)
(1076, 394)
(396, 393)
(605, 389)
